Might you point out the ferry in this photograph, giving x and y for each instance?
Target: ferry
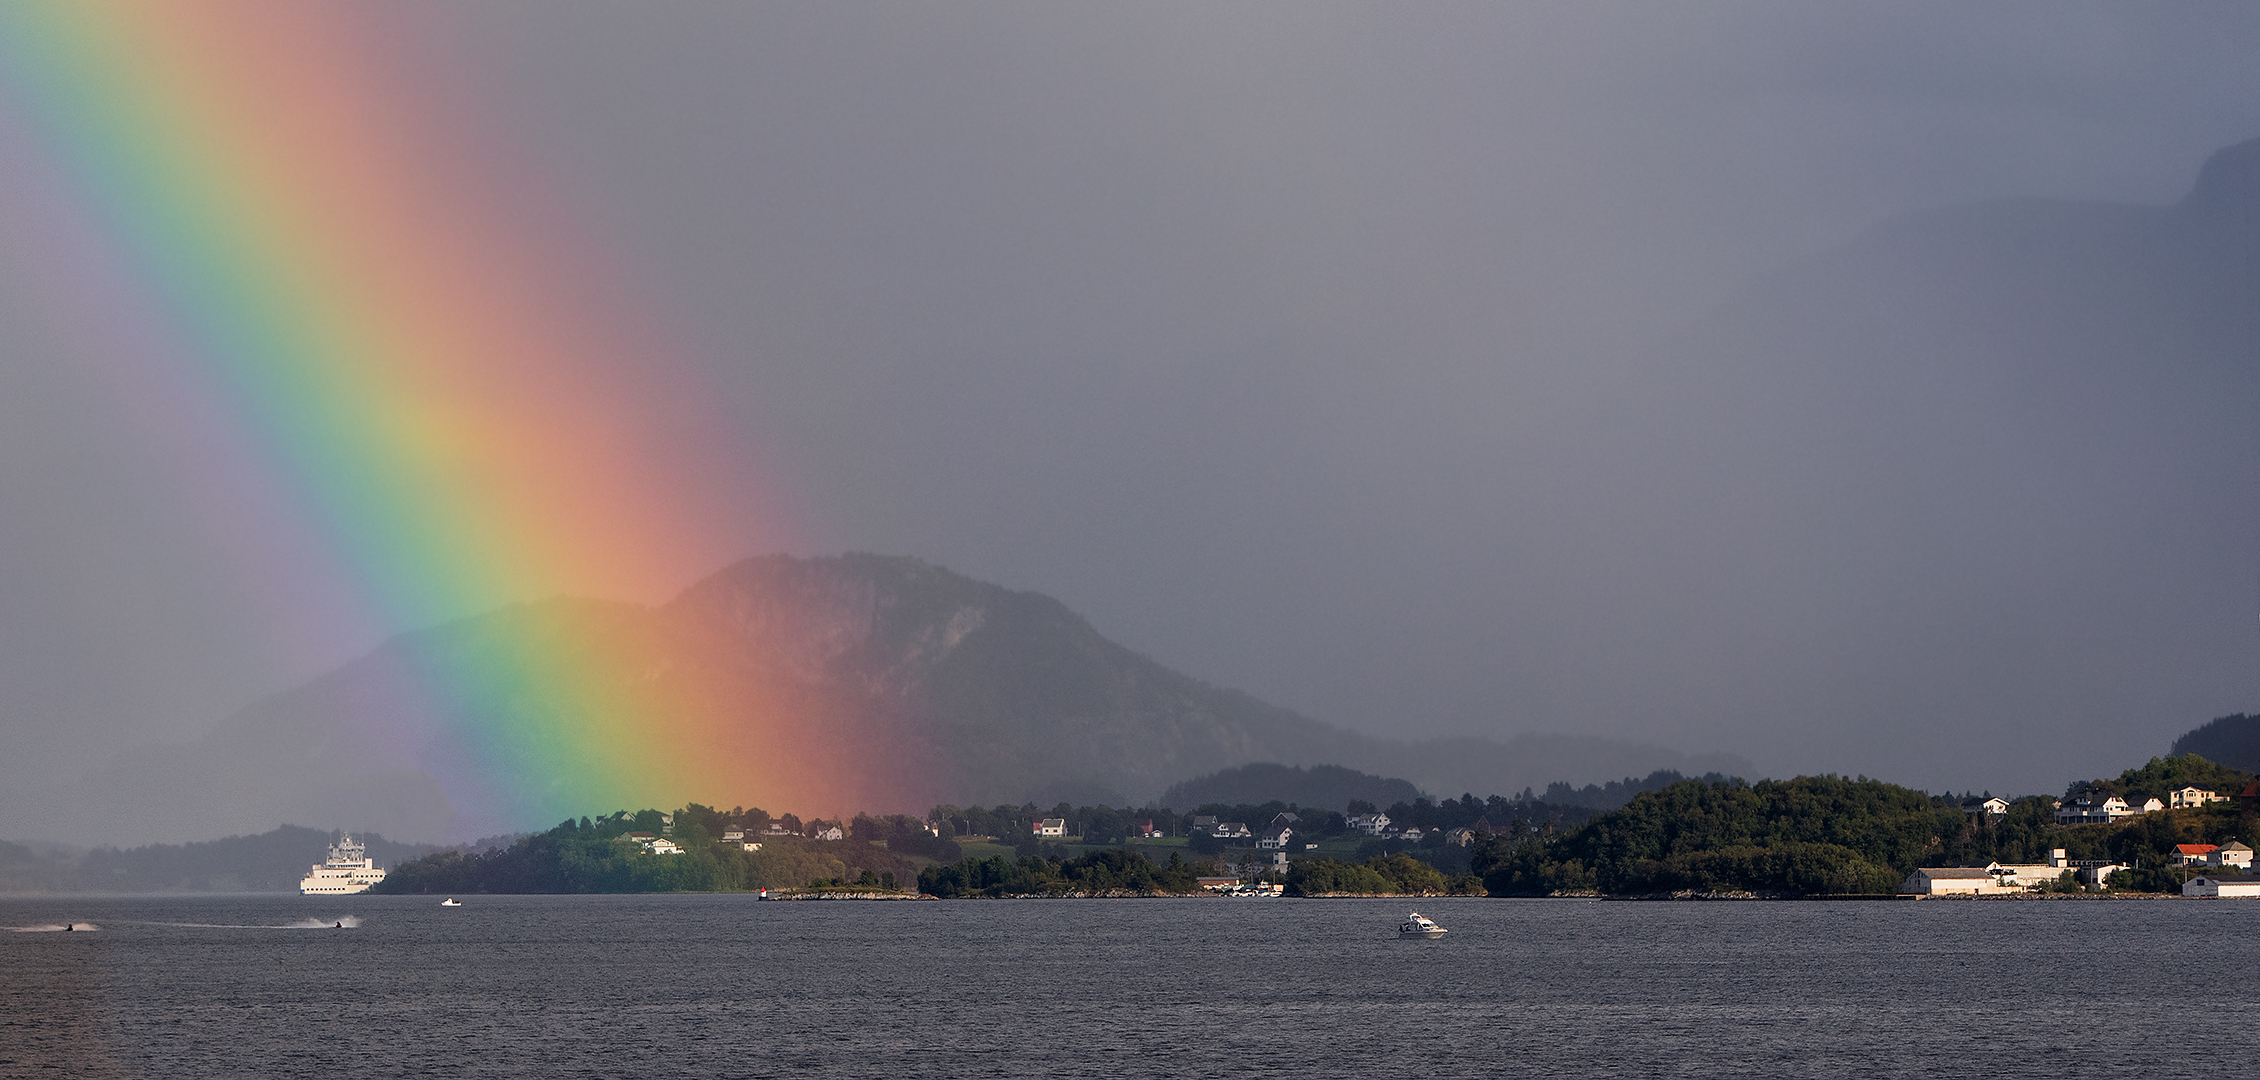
(1419, 925)
(348, 870)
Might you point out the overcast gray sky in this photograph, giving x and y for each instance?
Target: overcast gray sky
(1286, 342)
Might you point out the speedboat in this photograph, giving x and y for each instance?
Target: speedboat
(451, 902)
(1419, 925)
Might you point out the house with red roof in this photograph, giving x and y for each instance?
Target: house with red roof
(2194, 854)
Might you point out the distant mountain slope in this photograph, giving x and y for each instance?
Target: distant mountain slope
(931, 687)
(1980, 475)
(2232, 740)
(1320, 787)
(272, 861)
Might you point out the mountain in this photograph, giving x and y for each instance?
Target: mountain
(2232, 740)
(1978, 478)
(1320, 787)
(901, 685)
(269, 862)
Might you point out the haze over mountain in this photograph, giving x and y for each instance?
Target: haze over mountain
(1859, 388)
(1931, 489)
(1973, 495)
(939, 688)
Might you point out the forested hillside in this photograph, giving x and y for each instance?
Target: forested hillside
(2232, 740)
(1830, 834)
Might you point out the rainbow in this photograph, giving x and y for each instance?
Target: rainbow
(388, 346)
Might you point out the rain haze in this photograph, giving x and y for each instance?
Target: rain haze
(1826, 385)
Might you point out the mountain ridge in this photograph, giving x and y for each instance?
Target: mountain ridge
(951, 689)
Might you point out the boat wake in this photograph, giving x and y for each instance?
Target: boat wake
(53, 928)
(341, 922)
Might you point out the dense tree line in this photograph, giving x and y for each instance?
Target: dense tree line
(1808, 835)
(2160, 777)
(1615, 793)
(1115, 872)
(591, 857)
(1830, 834)
(1386, 875)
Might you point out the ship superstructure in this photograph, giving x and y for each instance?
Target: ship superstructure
(349, 869)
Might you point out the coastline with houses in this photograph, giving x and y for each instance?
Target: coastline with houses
(2225, 870)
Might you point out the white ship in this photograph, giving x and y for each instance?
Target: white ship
(348, 870)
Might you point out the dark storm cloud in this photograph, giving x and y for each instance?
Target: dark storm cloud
(1317, 350)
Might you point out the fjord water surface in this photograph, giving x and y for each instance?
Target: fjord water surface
(727, 986)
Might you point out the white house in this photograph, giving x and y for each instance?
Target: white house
(1462, 836)
(1991, 807)
(1275, 837)
(829, 832)
(2089, 810)
(733, 834)
(1051, 826)
(661, 846)
(2026, 876)
(2233, 853)
(750, 845)
(1370, 824)
(1945, 880)
(2193, 796)
(2035, 875)
(1231, 830)
(2222, 886)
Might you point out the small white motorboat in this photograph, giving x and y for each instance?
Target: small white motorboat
(451, 902)
(1419, 925)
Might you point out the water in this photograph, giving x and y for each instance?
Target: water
(726, 986)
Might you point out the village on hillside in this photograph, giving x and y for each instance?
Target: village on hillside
(2225, 870)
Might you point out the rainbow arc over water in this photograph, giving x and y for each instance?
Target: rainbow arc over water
(281, 225)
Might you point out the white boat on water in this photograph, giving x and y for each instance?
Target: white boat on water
(451, 902)
(1419, 925)
(348, 870)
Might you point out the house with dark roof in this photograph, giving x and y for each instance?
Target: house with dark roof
(2090, 809)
